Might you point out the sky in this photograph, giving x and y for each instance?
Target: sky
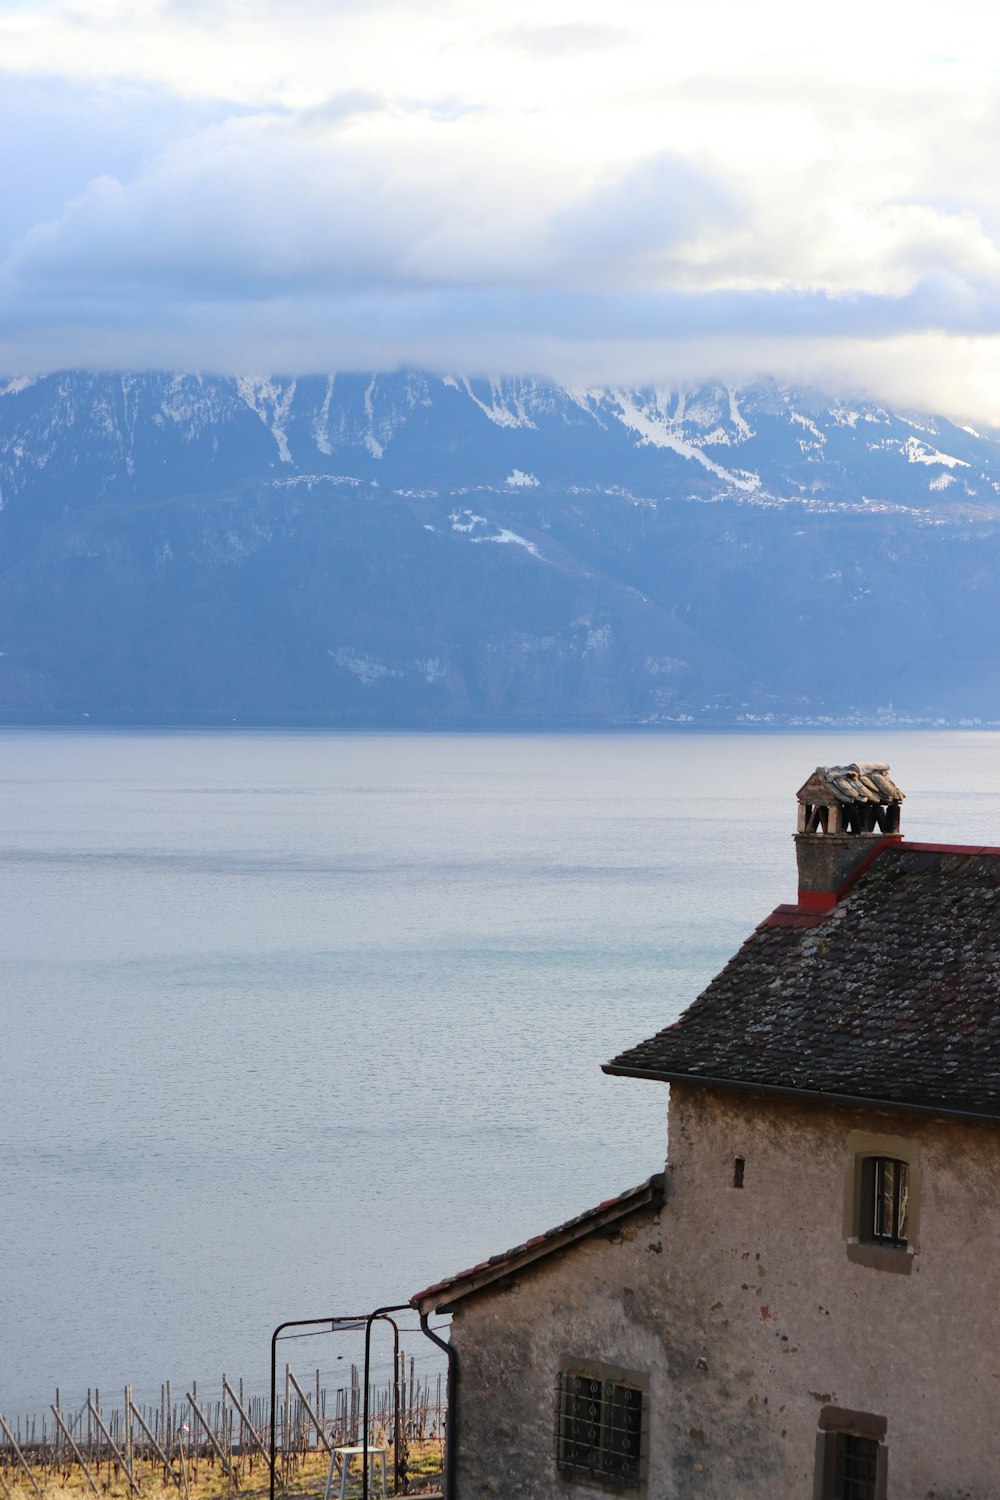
(638, 193)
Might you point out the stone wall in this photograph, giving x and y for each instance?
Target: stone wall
(598, 1301)
(771, 1321)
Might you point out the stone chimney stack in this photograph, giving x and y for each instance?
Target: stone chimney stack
(844, 812)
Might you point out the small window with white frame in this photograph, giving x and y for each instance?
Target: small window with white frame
(602, 1421)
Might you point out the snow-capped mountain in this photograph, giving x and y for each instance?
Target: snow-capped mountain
(416, 549)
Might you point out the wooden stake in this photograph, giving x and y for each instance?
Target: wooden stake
(310, 1413)
(248, 1426)
(20, 1457)
(213, 1440)
(72, 1442)
(164, 1460)
(133, 1482)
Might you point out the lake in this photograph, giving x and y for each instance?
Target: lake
(296, 1023)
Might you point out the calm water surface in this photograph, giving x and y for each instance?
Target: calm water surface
(297, 1023)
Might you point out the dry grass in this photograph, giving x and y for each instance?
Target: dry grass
(207, 1481)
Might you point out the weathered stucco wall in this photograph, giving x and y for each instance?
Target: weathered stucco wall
(598, 1301)
(749, 1316)
(770, 1320)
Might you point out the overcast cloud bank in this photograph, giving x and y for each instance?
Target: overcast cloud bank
(676, 197)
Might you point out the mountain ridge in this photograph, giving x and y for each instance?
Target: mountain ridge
(421, 550)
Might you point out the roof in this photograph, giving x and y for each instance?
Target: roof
(891, 997)
(443, 1295)
(861, 781)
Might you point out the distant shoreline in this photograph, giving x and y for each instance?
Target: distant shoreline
(305, 725)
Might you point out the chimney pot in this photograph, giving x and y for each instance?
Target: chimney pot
(843, 812)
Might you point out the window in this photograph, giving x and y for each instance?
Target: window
(855, 1467)
(885, 1189)
(851, 1458)
(601, 1424)
(881, 1201)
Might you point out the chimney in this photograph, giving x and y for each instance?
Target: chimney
(844, 812)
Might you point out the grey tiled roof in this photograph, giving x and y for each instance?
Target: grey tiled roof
(892, 995)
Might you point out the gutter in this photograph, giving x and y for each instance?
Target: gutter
(822, 1096)
(451, 1440)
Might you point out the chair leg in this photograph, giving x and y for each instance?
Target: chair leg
(329, 1476)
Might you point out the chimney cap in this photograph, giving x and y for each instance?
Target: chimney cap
(861, 781)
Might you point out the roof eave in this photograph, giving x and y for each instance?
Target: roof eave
(823, 1096)
(445, 1296)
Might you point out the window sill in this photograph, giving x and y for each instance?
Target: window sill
(881, 1257)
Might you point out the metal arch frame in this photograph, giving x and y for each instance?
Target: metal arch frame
(381, 1314)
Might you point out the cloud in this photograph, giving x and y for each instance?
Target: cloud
(634, 222)
(458, 185)
(570, 39)
(69, 131)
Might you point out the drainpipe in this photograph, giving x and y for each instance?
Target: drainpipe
(451, 1444)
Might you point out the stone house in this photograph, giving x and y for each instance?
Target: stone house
(804, 1303)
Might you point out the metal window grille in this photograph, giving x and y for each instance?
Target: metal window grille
(855, 1468)
(600, 1427)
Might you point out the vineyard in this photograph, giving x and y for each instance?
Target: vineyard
(206, 1444)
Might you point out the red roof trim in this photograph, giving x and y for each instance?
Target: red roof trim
(795, 916)
(813, 906)
(972, 849)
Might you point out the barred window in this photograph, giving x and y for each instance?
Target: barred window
(850, 1455)
(855, 1467)
(601, 1424)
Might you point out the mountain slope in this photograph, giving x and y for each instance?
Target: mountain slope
(407, 549)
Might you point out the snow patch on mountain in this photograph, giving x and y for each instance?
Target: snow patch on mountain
(919, 424)
(740, 425)
(661, 433)
(810, 426)
(503, 535)
(366, 669)
(272, 405)
(18, 384)
(505, 414)
(466, 520)
(371, 441)
(192, 406)
(321, 421)
(844, 417)
(918, 452)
